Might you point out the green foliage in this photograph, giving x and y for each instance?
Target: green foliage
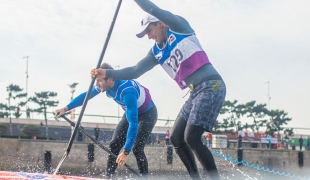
(234, 112)
(4, 114)
(43, 100)
(258, 113)
(44, 138)
(216, 126)
(8, 136)
(271, 121)
(289, 131)
(278, 119)
(3, 128)
(14, 92)
(26, 137)
(3, 107)
(17, 114)
(31, 130)
(4, 111)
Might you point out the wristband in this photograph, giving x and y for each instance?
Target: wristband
(126, 152)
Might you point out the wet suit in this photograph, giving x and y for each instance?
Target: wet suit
(136, 124)
(193, 69)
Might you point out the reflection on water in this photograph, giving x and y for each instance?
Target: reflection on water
(228, 171)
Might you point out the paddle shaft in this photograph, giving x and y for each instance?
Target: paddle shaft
(89, 89)
(100, 145)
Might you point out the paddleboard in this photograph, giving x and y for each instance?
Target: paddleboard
(9, 175)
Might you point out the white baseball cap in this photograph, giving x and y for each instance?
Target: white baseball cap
(145, 23)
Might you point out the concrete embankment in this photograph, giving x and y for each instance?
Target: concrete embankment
(28, 156)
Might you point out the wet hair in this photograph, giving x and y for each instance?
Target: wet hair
(106, 66)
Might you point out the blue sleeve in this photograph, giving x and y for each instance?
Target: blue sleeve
(78, 101)
(130, 100)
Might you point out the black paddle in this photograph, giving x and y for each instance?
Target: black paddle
(100, 145)
(76, 127)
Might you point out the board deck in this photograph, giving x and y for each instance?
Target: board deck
(9, 175)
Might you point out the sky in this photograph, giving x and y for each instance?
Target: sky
(260, 48)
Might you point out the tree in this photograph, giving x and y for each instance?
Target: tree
(278, 119)
(14, 93)
(217, 126)
(289, 131)
(43, 100)
(258, 113)
(234, 112)
(247, 126)
(31, 130)
(226, 125)
(3, 128)
(4, 110)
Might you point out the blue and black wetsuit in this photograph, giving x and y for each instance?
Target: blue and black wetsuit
(136, 124)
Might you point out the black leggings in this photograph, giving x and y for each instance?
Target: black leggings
(186, 139)
(146, 122)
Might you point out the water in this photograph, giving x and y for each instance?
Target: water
(228, 171)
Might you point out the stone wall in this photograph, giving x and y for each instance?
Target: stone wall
(28, 156)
